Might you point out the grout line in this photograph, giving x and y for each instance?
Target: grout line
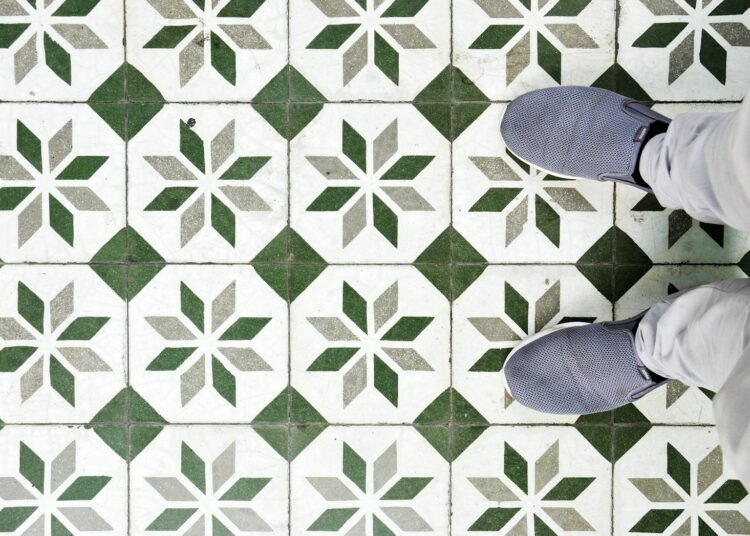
(451, 275)
(281, 264)
(253, 425)
(127, 268)
(290, 100)
(288, 267)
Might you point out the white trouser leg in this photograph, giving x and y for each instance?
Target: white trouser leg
(702, 165)
(701, 337)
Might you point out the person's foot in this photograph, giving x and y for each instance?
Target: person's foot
(577, 368)
(581, 132)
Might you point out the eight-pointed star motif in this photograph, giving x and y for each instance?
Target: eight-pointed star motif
(213, 498)
(375, 341)
(365, 496)
(699, 28)
(47, 28)
(214, 347)
(677, 496)
(37, 179)
(532, 493)
(369, 182)
(504, 331)
(204, 29)
(547, 191)
(48, 492)
(47, 332)
(205, 189)
(544, 26)
(371, 28)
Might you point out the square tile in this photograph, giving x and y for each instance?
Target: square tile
(370, 183)
(509, 47)
(675, 403)
(201, 479)
(674, 480)
(374, 480)
(523, 480)
(503, 306)
(60, 480)
(207, 51)
(685, 51)
(62, 183)
(512, 212)
(208, 344)
(672, 236)
(370, 344)
(383, 50)
(207, 183)
(63, 346)
(60, 50)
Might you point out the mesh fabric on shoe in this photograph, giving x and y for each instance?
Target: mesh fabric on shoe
(577, 370)
(574, 131)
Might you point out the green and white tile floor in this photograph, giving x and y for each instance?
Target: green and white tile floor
(262, 262)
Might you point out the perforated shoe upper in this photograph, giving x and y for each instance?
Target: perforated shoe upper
(579, 370)
(577, 131)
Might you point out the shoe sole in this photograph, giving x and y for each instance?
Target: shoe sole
(534, 337)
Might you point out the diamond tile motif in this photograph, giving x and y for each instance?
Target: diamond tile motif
(262, 262)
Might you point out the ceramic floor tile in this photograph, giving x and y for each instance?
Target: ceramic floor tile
(207, 51)
(689, 51)
(676, 403)
(374, 480)
(370, 344)
(208, 480)
(59, 480)
(208, 344)
(60, 49)
(370, 183)
(672, 236)
(512, 212)
(262, 263)
(503, 306)
(675, 481)
(383, 50)
(207, 183)
(540, 480)
(509, 47)
(63, 349)
(62, 183)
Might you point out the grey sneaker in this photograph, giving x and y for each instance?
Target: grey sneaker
(581, 132)
(577, 368)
